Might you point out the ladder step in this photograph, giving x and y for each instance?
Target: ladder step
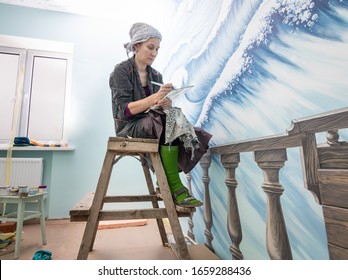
(131, 198)
(80, 212)
(129, 214)
(108, 215)
(82, 208)
(132, 146)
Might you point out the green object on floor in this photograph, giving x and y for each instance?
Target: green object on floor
(169, 156)
(42, 255)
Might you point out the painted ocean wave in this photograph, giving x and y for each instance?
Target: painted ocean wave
(242, 27)
(257, 35)
(255, 66)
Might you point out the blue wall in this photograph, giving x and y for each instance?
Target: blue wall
(98, 46)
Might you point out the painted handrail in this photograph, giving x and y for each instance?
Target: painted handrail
(270, 154)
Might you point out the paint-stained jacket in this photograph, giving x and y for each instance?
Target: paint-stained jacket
(126, 87)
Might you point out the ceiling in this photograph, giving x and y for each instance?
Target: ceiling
(101, 8)
(82, 7)
(56, 5)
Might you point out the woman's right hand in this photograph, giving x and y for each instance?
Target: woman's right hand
(163, 91)
(142, 105)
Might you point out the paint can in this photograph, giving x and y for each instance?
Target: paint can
(42, 189)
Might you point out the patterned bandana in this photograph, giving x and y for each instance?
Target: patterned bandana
(141, 32)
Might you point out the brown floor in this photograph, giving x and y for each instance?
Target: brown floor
(127, 242)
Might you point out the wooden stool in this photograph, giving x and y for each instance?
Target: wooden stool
(90, 209)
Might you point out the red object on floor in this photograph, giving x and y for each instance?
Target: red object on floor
(6, 227)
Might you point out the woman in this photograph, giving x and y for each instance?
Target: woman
(134, 93)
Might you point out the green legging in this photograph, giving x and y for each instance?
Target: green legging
(169, 155)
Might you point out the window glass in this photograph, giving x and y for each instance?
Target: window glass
(43, 101)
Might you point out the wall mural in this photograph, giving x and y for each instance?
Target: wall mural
(256, 65)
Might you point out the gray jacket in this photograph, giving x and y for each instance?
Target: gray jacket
(126, 87)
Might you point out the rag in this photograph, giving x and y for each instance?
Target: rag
(42, 255)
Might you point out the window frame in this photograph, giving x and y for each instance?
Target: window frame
(21, 53)
(28, 49)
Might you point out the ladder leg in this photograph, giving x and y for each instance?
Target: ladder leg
(151, 189)
(97, 204)
(181, 245)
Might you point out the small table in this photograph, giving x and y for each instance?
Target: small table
(22, 215)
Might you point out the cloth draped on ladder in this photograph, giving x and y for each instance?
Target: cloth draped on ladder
(193, 140)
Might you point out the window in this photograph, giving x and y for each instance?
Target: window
(35, 78)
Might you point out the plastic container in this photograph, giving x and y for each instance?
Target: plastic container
(42, 189)
(33, 191)
(23, 194)
(4, 190)
(23, 189)
(13, 191)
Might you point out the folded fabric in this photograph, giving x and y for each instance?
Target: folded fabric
(6, 239)
(21, 141)
(7, 235)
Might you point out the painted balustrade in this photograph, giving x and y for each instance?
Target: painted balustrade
(270, 154)
(208, 216)
(190, 232)
(230, 163)
(277, 241)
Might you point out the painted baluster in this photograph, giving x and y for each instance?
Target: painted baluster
(333, 137)
(230, 163)
(311, 165)
(190, 232)
(277, 241)
(208, 217)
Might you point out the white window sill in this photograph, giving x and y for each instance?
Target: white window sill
(5, 147)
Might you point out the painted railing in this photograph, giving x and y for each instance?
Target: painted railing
(270, 154)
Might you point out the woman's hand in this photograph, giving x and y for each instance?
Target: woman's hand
(164, 90)
(160, 100)
(156, 99)
(165, 103)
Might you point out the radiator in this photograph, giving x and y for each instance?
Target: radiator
(24, 171)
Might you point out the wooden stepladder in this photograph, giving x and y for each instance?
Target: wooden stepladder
(91, 210)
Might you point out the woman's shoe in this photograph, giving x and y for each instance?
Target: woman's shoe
(188, 201)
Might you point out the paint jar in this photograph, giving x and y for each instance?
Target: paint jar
(42, 189)
(33, 191)
(23, 189)
(4, 190)
(13, 191)
(23, 194)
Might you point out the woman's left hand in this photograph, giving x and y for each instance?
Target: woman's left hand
(165, 103)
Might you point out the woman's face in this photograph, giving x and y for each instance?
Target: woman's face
(146, 52)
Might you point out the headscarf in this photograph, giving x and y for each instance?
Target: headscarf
(141, 32)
